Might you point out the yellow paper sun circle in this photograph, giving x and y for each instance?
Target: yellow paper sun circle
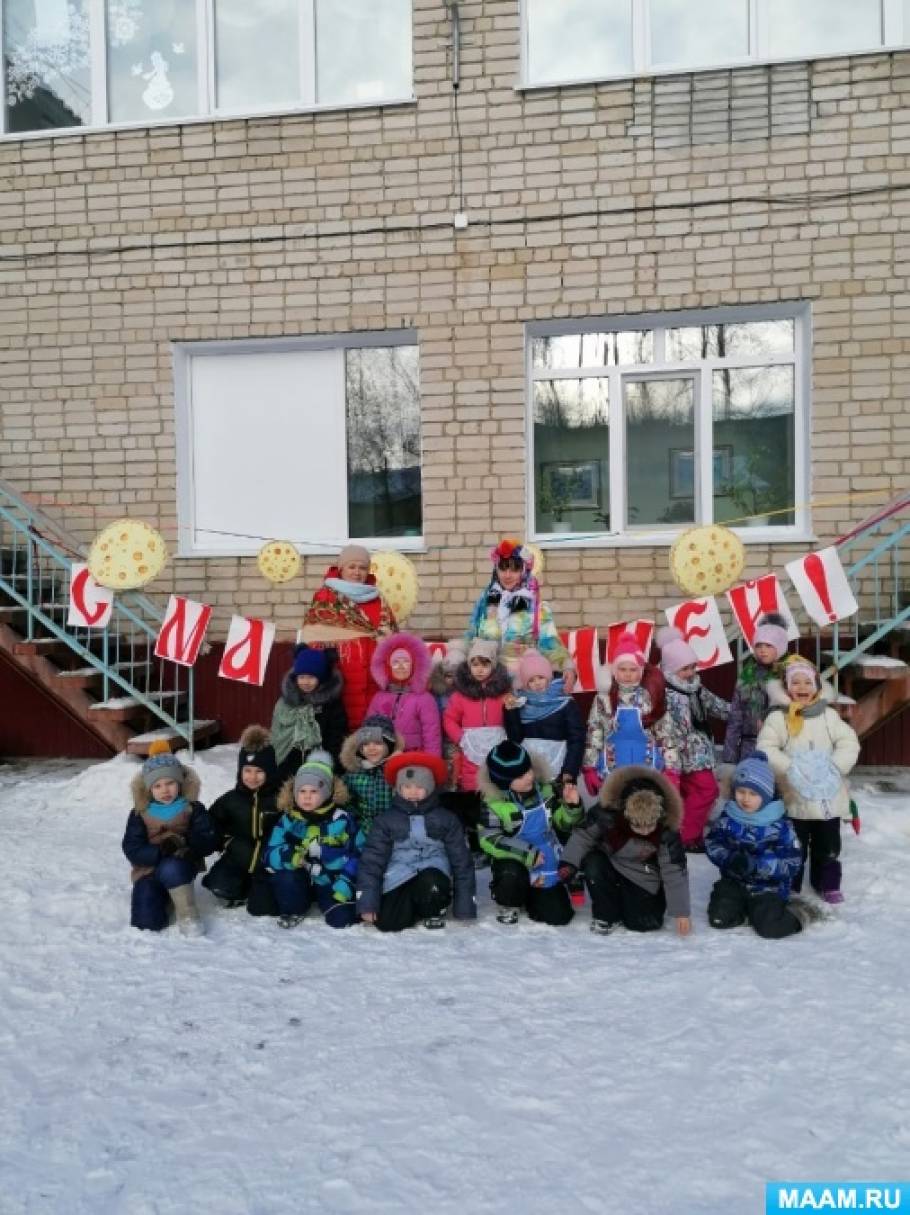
(278, 561)
(397, 581)
(707, 560)
(126, 554)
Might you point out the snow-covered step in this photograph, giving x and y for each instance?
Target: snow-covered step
(203, 728)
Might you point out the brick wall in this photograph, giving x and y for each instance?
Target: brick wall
(86, 389)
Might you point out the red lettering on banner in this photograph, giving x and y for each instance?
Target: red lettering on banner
(246, 651)
(751, 600)
(822, 584)
(90, 604)
(182, 630)
(699, 622)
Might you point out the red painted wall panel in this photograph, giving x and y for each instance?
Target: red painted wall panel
(32, 723)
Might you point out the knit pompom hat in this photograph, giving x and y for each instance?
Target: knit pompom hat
(627, 647)
(797, 665)
(506, 762)
(316, 772)
(256, 751)
(675, 651)
(162, 765)
(308, 661)
(532, 663)
(772, 630)
(376, 728)
(755, 773)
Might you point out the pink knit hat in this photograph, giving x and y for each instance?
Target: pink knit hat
(772, 631)
(627, 647)
(532, 663)
(675, 651)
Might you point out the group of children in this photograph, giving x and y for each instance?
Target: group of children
(462, 757)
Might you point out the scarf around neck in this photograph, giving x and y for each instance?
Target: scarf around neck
(796, 714)
(543, 704)
(360, 592)
(168, 811)
(757, 818)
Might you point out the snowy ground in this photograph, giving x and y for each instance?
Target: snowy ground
(483, 1069)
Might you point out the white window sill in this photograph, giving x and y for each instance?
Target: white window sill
(397, 544)
(748, 535)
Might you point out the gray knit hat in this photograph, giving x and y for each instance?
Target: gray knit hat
(316, 772)
(162, 765)
(480, 647)
(415, 774)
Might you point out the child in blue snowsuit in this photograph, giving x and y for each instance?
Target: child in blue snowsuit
(167, 835)
(312, 852)
(524, 826)
(754, 846)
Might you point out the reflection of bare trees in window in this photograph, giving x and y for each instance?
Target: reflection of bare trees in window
(571, 404)
(383, 431)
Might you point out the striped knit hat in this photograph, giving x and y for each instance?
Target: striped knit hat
(755, 773)
(506, 762)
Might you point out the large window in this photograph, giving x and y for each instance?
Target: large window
(308, 440)
(596, 39)
(644, 426)
(71, 63)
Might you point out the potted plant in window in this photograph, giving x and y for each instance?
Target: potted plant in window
(553, 497)
(753, 497)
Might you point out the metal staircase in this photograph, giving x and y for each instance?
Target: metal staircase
(109, 679)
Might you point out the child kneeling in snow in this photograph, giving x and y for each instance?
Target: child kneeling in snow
(168, 833)
(244, 818)
(312, 852)
(416, 852)
(754, 846)
(631, 854)
(525, 823)
(811, 749)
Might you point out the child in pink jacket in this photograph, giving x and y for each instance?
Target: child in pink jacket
(401, 666)
(475, 715)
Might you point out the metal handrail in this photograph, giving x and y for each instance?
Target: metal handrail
(35, 559)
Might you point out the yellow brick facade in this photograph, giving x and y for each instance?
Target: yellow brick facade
(341, 221)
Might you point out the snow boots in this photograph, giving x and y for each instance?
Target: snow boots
(188, 919)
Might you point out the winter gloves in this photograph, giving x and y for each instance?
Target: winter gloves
(172, 845)
(739, 864)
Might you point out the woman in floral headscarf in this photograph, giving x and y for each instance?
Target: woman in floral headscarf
(511, 612)
(349, 614)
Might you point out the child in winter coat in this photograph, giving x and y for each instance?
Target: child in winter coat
(244, 818)
(310, 713)
(631, 854)
(400, 667)
(363, 758)
(525, 824)
(312, 852)
(811, 750)
(442, 685)
(690, 706)
(416, 854)
(749, 706)
(753, 844)
(167, 834)
(475, 715)
(545, 720)
(628, 722)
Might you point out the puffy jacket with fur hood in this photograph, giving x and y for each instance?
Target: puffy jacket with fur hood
(145, 832)
(823, 730)
(368, 791)
(473, 705)
(412, 708)
(651, 861)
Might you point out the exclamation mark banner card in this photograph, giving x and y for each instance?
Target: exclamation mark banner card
(822, 585)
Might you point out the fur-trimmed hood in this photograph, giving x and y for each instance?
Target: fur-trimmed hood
(351, 761)
(190, 789)
(498, 684)
(330, 690)
(420, 660)
(779, 697)
(285, 799)
(491, 792)
(614, 788)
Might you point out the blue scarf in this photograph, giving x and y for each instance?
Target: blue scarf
(543, 704)
(171, 810)
(360, 592)
(758, 818)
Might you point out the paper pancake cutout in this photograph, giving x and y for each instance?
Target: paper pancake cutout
(278, 561)
(397, 582)
(707, 560)
(126, 554)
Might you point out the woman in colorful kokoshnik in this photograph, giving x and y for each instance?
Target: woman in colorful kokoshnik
(511, 612)
(349, 614)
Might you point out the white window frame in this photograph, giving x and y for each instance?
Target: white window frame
(206, 79)
(622, 536)
(895, 34)
(183, 354)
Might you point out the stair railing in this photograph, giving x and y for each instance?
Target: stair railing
(35, 559)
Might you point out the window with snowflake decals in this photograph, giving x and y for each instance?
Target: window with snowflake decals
(91, 63)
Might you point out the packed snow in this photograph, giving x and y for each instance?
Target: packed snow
(480, 1069)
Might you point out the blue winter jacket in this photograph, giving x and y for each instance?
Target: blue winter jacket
(773, 851)
(326, 843)
(409, 837)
